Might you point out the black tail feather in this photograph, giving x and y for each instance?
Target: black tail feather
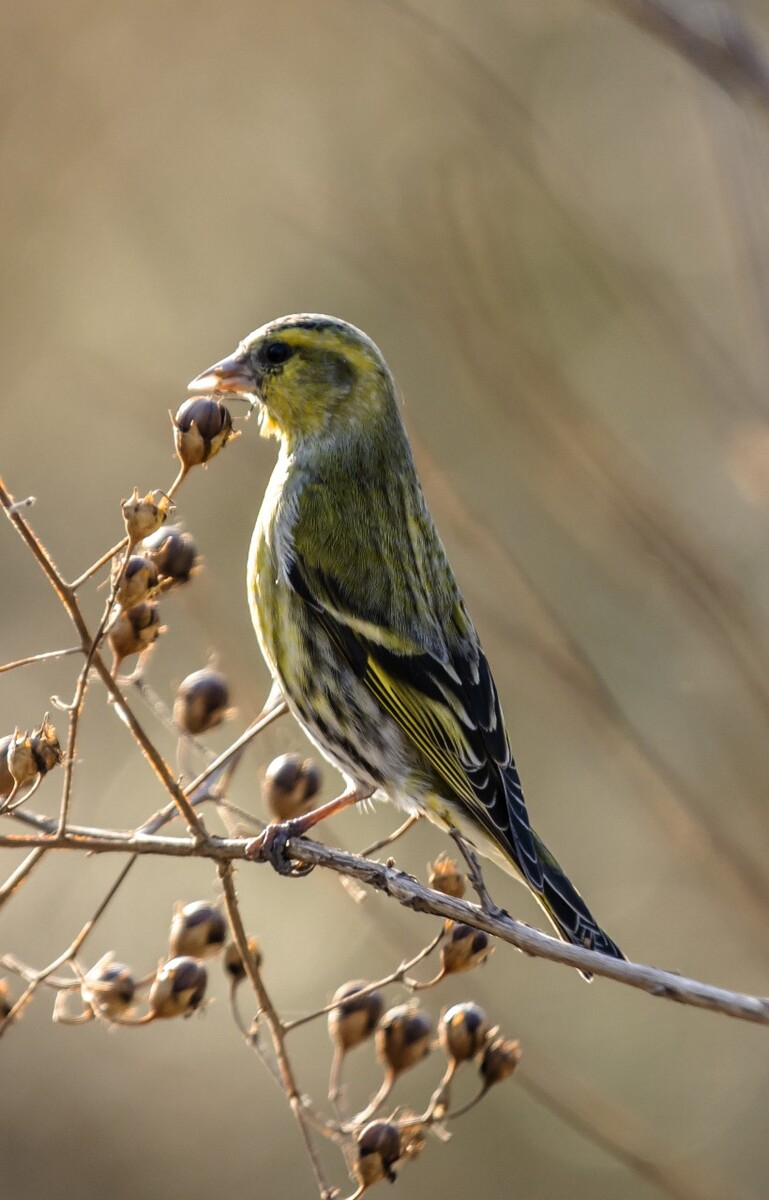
(568, 911)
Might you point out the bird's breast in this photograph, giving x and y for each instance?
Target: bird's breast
(275, 608)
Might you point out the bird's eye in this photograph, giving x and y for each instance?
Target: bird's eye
(276, 353)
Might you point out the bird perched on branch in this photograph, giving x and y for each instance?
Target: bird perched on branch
(358, 613)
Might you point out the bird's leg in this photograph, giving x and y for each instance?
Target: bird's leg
(270, 845)
(476, 877)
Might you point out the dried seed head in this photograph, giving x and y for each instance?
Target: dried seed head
(290, 786)
(202, 427)
(140, 579)
(198, 930)
(412, 1133)
(446, 877)
(29, 755)
(6, 1002)
(109, 987)
(45, 747)
(379, 1148)
(20, 759)
(178, 988)
(134, 630)
(500, 1058)
(464, 948)
(201, 702)
(355, 1018)
(463, 1031)
(6, 779)
(233, 963)
(403, 1037)
(143, 516)
(174, 553)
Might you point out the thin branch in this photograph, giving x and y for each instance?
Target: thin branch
(9, 962)
(375, 847)
(76, 708)
(474, 873)
(712, 36)
(9, 803)
(69, 601)
(100, 562)
(124, 542)
(399, 975)
(68, 954)
(414, 895)
(17, 877)
(48, 656)
(266, 1007)
(163, 714)
(220, 770)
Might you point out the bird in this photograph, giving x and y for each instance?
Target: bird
(358, 613)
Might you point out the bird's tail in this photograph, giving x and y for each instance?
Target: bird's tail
(568, 911)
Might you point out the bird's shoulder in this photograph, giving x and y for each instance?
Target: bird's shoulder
(365, 545)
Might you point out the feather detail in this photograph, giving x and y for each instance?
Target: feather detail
(431, 677)
(357, 611)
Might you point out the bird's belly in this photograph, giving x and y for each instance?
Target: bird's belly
(334, 707)
(341, 716)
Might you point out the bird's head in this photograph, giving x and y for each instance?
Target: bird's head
(312, 375)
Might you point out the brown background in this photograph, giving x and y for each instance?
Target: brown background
(556, 231)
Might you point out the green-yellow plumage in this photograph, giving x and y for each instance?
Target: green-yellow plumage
(357, 611)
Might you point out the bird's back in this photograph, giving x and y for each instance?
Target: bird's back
(404, 652)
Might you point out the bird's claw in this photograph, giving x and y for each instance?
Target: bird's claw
(271, 846)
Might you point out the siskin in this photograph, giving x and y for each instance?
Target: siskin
(357, 611)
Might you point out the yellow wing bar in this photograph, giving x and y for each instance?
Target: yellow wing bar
(426, 725)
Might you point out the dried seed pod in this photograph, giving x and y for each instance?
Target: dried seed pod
(178, 988)
(174, 553)
(45, 747)
(403, 1038)
(143, 515)
(109, 987)
(378, 1149)
(463, 1031)
(30, 755)
(446, 877)
(198, 930)
(355, 1017)
(6, 779)
(290, 786)
(140, 579)
(464, 948)
(134, 630)
(202, 427)
(412, 1134)
(201, 703)
(500, 1058)
(21, 760)
(233, 963)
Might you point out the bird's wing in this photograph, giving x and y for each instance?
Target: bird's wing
(443, 698)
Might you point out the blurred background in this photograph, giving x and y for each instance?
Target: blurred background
(555, 227)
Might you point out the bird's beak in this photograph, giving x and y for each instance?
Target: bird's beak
(228, 375)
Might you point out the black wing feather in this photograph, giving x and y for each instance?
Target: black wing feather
(465, 688)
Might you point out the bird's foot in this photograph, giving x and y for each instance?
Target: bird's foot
(475, 875)
(271, 846)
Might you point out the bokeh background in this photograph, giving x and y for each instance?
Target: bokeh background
(556, 229)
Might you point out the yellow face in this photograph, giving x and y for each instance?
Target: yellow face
(311, 374)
